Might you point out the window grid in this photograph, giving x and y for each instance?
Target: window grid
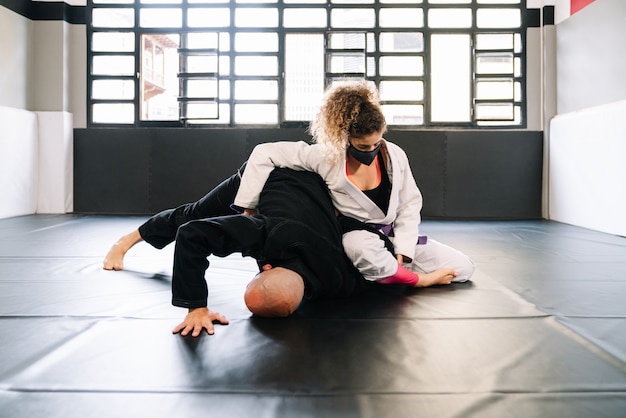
(378, 59)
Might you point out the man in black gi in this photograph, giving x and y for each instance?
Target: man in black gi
(295, 238)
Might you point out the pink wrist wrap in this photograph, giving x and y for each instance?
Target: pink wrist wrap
(402, 276)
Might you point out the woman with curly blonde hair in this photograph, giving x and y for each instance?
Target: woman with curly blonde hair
(347, 108)
(372, 188)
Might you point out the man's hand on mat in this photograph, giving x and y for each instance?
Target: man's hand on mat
(441, 276)
(198, 319)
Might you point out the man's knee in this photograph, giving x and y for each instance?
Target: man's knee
(274, 293)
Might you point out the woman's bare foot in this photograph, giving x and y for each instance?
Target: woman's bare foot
(114, 259)
(440, 276)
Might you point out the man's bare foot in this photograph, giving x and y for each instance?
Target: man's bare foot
(114, 259)
(440, 276)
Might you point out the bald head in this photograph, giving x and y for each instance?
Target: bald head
(276, 292)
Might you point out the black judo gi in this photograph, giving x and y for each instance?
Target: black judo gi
(296, 228)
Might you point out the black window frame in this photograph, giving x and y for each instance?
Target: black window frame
(281, 32)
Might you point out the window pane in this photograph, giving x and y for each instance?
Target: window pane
(518, 42)
(113, 1)
(160, 1)
(450, 18)
(352, 18)
(494, 63)
(257, 1)
(401, 90)
(505, 121)
(202, 111)
(517, 63)
(256, 113)
(113, 42)
(494, 41)
(113, 65)
(222, 117)
(210, 18)
(207, 1)
(498, 1)
(256, 90)
(224, 67)
(401, 18)
(304, 75)
(256, 65)
(352, 1)
(303, 18)
(224, 89)
(164, 18)
(346, 40)
(304, 1)
(494, 89)
(494, 111)
(204, 88)
(159, 80)
(202, 40)
(113, 113)
(256, 42)
(402, 66)
(371, 67)
(401, 42)
(404, 114)
(113, 18)
(347, 63)
(253, 17)
(450, 78)
(498, 18)
(400, 1)
(113, 89)
(449, 1)
(200, 64)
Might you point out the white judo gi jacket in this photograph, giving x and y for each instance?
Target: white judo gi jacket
(404, 206)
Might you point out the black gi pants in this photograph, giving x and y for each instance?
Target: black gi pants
(160, 230)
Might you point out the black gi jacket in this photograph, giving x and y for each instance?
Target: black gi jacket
(296, 228)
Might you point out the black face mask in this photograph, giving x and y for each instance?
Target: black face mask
(363, 156)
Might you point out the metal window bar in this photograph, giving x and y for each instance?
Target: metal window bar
(349, 54)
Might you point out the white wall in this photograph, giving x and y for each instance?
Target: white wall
(591, 56)
(42, 79)
(36, 162)
(43, 65)
(587, 141)
(16, 33)
(588, 170)
(19, 160)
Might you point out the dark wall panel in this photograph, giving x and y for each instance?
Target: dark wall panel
(476, 174)
(111, 171)
(184, 167)
(427, 156)
(494, 175)
(462, 174)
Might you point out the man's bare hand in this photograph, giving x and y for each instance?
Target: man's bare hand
(249, 212)
(198, 319)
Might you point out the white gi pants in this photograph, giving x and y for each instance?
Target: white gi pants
(369, 255)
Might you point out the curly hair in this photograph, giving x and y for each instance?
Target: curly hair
(349, 108)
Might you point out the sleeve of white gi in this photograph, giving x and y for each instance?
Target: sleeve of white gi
(266, 157)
